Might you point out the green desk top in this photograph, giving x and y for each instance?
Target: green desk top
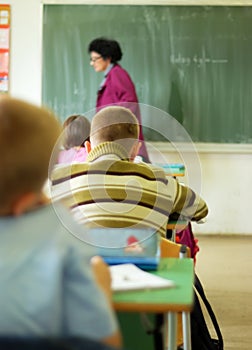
(177, 299)
(172, 169)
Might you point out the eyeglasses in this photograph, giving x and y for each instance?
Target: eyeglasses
(94, 59)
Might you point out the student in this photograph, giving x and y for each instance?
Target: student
(117, 86)
(113, 191)
(76, 130)
(48, 286)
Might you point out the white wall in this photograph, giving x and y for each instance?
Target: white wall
(226, 171)
(25, 54)
(223, 180)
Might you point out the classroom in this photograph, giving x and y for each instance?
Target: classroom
(224, 168)
(221, 164)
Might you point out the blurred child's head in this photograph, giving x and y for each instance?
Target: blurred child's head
(28, 134)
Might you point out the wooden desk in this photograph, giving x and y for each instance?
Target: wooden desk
(169, 301)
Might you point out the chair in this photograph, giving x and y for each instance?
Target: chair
(170, 249)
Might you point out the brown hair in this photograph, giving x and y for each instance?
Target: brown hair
(114, 123)
(27, 137)
(76, 131)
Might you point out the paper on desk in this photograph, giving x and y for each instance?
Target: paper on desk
(130, 277)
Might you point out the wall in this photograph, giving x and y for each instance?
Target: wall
(225, 170)
(224, 180)
(25, 63)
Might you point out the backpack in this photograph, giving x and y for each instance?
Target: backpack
(186, 237)
(200, 335)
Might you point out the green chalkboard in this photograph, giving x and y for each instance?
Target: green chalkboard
(193, 62)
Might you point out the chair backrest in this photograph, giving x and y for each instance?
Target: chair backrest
(169, 249)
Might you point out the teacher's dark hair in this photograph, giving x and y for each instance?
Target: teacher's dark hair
(106, 48)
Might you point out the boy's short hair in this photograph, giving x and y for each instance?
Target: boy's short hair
(114, 123)
(28, 134)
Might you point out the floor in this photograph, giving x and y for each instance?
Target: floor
(224, 265)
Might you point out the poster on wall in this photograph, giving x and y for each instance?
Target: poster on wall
(4, 47)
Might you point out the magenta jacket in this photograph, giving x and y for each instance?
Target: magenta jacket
(118, 87)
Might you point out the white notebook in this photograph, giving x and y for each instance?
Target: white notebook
(130, 277)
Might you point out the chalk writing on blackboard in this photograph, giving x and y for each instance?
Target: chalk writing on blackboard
(196, 59)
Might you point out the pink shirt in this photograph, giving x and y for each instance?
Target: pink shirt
(71, 155)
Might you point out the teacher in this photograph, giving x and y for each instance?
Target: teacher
(117, 86)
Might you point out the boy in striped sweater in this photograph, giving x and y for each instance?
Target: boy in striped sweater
(110, 190)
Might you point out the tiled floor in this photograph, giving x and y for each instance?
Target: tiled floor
(224, 265)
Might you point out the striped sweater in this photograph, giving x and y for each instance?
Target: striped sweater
(111, 191)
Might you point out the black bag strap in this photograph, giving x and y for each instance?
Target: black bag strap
(200, 290)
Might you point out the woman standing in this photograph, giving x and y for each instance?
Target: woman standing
(117, 86)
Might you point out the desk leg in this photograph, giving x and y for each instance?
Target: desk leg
(186, 330)
(172, 331)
